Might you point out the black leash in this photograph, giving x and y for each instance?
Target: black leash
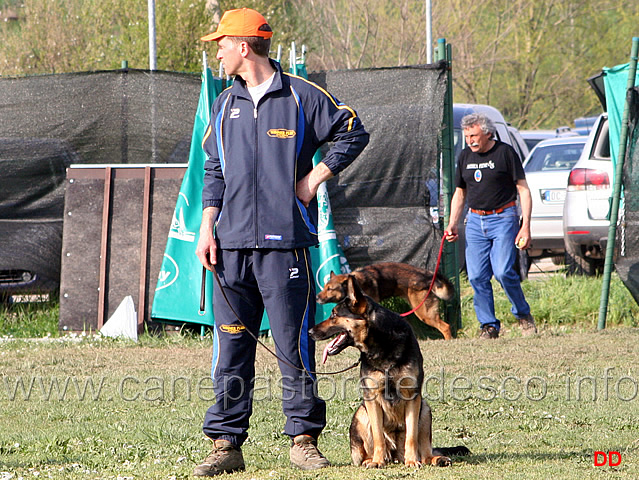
(203, 291)
(283, 360)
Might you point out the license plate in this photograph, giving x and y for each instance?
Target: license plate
(557, 195)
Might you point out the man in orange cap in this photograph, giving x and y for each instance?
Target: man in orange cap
(259, 219)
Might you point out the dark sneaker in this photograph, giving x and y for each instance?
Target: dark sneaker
(306, 455)
(527, 325)
(224, 458)
(488, 331)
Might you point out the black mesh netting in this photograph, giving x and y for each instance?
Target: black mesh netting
(627, 247)
(49, 122)
(381, 203)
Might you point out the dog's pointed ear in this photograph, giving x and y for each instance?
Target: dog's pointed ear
(355, 296)
(331, 275)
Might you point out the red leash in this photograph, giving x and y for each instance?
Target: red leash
(439, 257)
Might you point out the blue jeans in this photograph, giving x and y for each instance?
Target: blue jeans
(490, 250)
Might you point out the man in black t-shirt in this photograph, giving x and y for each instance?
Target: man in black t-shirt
(489, 177)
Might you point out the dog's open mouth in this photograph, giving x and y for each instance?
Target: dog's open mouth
(336, 345)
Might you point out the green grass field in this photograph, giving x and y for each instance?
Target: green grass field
(527, 408)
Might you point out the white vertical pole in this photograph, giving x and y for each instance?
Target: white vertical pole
(153, 65)
(429, 31)
(293, 59)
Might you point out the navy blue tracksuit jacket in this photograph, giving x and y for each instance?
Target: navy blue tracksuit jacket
(256, 154)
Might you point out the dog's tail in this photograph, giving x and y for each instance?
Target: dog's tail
(443, 288)
(458, 451)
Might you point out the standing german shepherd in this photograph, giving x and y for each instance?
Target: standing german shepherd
(393, 424)
(384, 280)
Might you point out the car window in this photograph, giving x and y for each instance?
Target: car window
(531, 142)
(602, 143)
(517, 146)
(459, 142)
(554, 157)
(502, 133)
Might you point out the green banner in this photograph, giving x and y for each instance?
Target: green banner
(178, 291)
(615, 83)
(327, 257)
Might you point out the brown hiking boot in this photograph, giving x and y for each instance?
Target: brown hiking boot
(224, 458)
(488, 331)
(306, 455)
(527, 325)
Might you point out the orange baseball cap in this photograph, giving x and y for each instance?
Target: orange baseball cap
(242, 22)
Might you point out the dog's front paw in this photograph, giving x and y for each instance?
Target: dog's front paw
(441, 461)
(370, 463)
(413, 463)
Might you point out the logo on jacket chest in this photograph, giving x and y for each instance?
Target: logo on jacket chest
(235, 113)
(282, 133)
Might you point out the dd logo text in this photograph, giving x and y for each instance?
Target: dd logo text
(612, 459)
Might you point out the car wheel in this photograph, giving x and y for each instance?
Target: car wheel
(576, 265)
(5, 299)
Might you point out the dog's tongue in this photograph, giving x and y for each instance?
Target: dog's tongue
(325, 353)
(330, 346)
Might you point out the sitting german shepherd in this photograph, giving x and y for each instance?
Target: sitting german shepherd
(393, 424)
(384, 280)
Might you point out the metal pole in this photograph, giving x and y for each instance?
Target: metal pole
(153, 65)
(429, 31)
(451, 264)
(616, 192)
(293, 59)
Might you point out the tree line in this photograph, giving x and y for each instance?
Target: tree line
(529, 58)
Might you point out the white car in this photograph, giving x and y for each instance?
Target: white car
(547, 168)
(533, 137)
(587, 205)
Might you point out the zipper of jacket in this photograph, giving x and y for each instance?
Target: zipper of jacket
(255, 175)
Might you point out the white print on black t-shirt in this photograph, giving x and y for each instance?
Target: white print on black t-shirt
(472, 166)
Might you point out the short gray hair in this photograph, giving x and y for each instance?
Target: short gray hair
(484, 122)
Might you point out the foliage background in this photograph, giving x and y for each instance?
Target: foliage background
(529, 58)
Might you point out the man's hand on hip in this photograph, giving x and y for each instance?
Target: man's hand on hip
(306, 188)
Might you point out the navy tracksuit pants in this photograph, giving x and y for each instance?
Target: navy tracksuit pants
(282, 282)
